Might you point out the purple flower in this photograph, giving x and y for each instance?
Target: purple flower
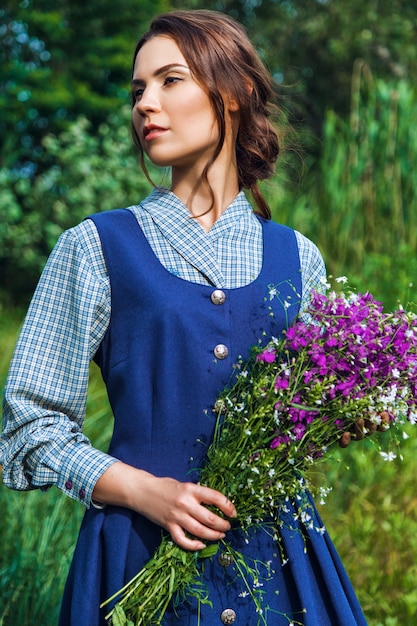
(268, 355)
(299, 431)
(279, 441)
(344, 362)
(281, 383)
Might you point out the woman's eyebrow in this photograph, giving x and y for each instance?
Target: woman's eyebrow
(161, 70)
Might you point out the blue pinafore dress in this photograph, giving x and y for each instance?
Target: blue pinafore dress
(169, 350)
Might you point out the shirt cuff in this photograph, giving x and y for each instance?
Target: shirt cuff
(81, 467)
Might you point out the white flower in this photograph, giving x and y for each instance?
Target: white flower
(305, 517)
(412, 418)
(324, 491)
(243, 594)
(353, 297)
(390, 456)
(341, 279)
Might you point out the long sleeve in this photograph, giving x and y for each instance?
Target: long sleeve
(45, 395)
(313, 271)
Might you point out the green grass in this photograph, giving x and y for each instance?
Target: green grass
(358, 201)
(38, 532)
(39, 529)
(371, 515)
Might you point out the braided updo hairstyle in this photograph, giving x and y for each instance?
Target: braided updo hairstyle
(223, 61)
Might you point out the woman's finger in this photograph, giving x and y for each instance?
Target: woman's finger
(216, 498)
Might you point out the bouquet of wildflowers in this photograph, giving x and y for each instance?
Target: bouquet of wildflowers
(353, 364)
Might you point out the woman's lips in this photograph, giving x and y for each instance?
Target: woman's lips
(152, 131)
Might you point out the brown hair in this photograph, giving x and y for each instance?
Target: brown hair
(223, 60)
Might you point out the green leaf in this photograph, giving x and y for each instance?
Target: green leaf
(171, 582)
(209, 551)
(119, 617)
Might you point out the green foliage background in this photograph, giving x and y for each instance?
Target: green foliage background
(346, 71)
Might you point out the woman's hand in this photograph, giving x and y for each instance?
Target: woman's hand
(180, 508)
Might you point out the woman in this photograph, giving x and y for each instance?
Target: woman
(165, 296)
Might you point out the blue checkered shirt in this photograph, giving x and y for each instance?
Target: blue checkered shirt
(43, 443)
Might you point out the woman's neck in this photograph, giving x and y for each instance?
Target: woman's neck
(207, 202)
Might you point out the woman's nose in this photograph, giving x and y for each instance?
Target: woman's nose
(148, 101)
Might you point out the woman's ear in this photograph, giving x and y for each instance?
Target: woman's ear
(231, 103)
(249, 88)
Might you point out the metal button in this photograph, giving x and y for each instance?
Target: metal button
(225, 559)
(218, 296)
(221, 351)
(228, 616)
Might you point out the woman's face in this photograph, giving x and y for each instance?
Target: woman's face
(172, 114)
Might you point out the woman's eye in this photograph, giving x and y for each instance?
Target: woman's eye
(137, 93)
(170, 80)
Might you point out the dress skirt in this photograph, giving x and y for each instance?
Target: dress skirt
(299, 579)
